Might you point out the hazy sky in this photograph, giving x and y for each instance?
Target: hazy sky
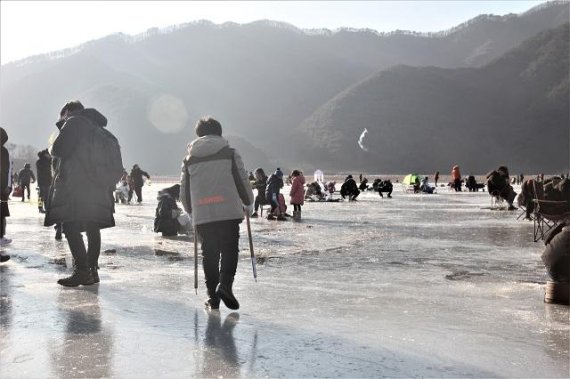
(35, 27)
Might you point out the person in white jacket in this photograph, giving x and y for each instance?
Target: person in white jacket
(215, 188)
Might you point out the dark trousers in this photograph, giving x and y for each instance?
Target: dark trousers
(259, 201)
(138, 192)
(84, 258)
(296, 207)
(457, 185)
(24, 187)
(44, 190)
(2, 226)
(220, 239)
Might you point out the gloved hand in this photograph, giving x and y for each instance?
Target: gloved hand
(248, 209)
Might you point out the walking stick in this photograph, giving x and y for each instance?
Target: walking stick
(253, 260)
(196, 260)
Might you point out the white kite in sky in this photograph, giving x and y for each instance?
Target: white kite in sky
(361, 140)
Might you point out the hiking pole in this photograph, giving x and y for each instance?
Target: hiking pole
(253, 260)
(196, 260)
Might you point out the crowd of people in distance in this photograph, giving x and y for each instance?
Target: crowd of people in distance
(78, 190)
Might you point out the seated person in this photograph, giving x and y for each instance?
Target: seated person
(425, 187)
(167, 211)
(380, 186)
(349, 189)
(417, 185)
(363, 185)
(498, 184)
(527, 196)
(122, 192)
(314, 192)
(472, 184)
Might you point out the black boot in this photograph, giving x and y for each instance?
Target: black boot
(224, 291)
(95, 274)
(58, 233)
(79, 277)
(213, 300)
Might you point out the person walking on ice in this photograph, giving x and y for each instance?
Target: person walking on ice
(81, 194)
(215, 188)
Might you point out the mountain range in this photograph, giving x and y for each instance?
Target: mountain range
(290, 97)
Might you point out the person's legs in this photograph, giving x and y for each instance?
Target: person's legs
(27, 187)
(138, 191)
(42, 198)
(228, 235)
(130, 195)
(93, 249)
(81, 273)
(210, 260)
(58, 228)
(355, 194)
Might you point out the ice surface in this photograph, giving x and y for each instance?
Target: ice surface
(417, 285)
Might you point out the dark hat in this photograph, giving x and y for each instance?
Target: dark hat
(208, 126)
(70, 106)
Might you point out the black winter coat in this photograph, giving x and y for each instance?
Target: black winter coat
(74, 196)
(25, 176)
(349, 187)
(4, 176)
(137, 176)
(43, 168)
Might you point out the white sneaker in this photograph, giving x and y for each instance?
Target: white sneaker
(5, 241)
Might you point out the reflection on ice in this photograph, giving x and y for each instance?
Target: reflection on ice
(415, 285)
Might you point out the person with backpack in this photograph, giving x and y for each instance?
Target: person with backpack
(138, 182)
(25, 176)
(215, 189)
(81, 197)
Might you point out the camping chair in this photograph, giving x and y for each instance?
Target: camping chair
(548, 214)
(497, 202)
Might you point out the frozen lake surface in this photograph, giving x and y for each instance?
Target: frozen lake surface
(417, 285)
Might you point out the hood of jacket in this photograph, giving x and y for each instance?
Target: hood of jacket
(95, 116)
(301, 179)
(207, 145)
(4, 136)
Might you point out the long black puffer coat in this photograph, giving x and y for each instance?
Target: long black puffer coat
(74, 196)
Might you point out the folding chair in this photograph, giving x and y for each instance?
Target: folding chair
(497, 202)
(547, 214)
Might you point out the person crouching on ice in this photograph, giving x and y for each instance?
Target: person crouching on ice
(215, 188)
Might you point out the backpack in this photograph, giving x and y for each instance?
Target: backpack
(105, 164)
